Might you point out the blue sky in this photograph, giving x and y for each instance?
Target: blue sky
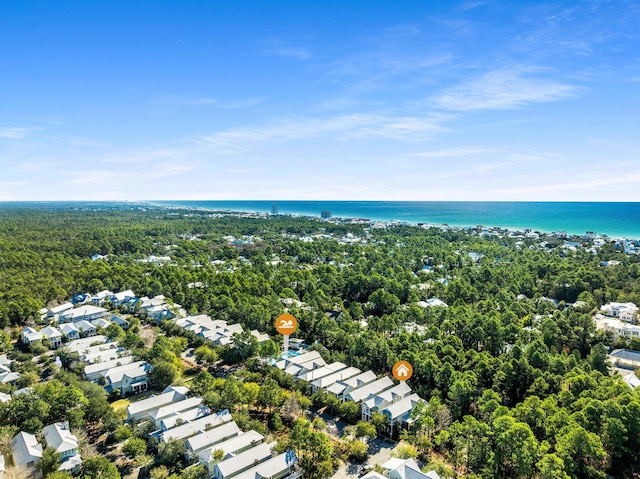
(403, 100)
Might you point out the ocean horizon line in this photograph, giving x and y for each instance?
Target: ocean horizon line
(614, 219)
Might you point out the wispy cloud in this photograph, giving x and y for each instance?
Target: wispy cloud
(142, 177)
(206, 101)
(452, 152)
(374, 69)
(236, 105)
(503, 88)
(186, 100)
(16, 133)
(300, 53)
(340, 127)
(87, 142)
(584, 185)
(471, 5)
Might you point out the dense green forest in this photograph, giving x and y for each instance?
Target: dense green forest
(517, 384)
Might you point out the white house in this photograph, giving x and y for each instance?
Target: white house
(309, 361)
(183, 417)
(317, 373)
(129, 379)
(346, 386)
(229, 448)
(238, 463)
(210, 437)
(396, 468)
(627, 312)
(618, 328)
(30, 335)
(83, 313)
(361, 393)
(261, 337)
(174, 409)
(53, 335)
(53, 312)
(58, 436)
(97, 370)
(326, 381)
(625, 358)
(436, 302)
(143, 409)
(399, 413)
(377, 401)
(101, 323)
(26, 450)
(86, 329)
(99, 298)
(283, 466)
(81, 345)
(192, 428)
(70, 331)
(91, 355)
(632, 380)
(7, 376)
(122, 298)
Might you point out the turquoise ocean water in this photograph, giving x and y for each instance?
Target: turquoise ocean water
(613, 219)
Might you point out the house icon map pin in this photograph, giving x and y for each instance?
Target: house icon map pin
(402, 370)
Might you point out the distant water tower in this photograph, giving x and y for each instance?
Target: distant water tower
(274, 209)
(325, 214)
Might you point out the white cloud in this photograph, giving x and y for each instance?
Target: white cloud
(300, 53)
(186, 100)
(206, 101)
(503, 88)
(374, 69)
(16, 133)
(452, 152)
(339, 127)
(234, 105)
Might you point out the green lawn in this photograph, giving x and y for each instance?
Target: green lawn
(120, 405)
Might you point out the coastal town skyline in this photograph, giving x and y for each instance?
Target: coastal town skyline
(521, 101)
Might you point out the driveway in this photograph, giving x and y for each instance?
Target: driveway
(379, 453)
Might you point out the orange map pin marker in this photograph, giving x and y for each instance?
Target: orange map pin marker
(286, 324)
(402, 370)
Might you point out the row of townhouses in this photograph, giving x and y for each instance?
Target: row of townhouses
(212, 439)
(373, 394)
